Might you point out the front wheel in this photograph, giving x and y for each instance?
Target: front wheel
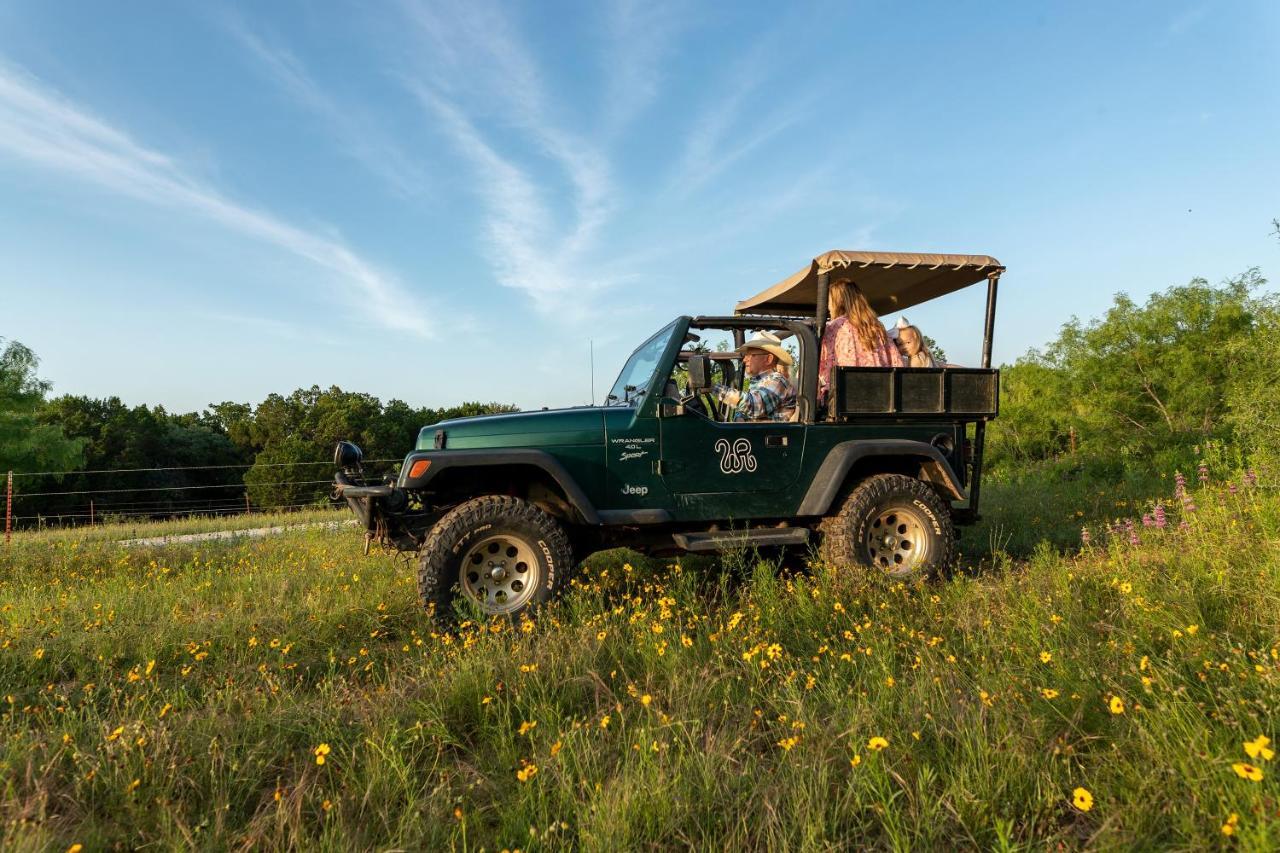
(501, 553)
(892, 523)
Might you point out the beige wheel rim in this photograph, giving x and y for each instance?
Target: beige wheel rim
(896, 541)
(500, 573)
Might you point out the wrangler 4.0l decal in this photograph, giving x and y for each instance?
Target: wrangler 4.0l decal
(735, 458)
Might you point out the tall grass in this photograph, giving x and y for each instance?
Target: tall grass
(184, 697)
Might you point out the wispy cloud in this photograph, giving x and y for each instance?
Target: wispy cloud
(729, 129)
(640, 34)
(353, 129)
(41, 127)
(470, 53)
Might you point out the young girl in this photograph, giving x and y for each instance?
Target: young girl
(853, 337)
(911, 344)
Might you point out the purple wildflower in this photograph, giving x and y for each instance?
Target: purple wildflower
(1179, 484)
(1160, 519)
(1147, 521)
(1203, 471)
(1131, 529)
(1231, 487)
(1250, 478)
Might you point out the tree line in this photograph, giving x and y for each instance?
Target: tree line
(1146, 385)
(278, 453)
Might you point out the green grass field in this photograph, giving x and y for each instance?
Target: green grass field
(288, 692)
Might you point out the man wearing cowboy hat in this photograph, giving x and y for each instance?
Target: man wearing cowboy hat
(770, 396)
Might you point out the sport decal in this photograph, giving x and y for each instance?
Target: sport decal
(735, 458)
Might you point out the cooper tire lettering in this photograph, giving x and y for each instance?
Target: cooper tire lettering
(441, 554)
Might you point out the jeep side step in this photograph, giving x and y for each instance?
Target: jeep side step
(728, 539)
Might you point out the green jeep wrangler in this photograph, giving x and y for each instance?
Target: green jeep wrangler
(500, 508)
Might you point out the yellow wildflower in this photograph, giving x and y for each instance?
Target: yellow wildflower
(527, 727)
(855, 761)
(877, 743)
(645, 700)
(604, 721)
(787, 743)
(1045, 657)
(527, 772)
(1247, 771)
(1116, 705)
(1229, 828)
(1082, 799)
(1258, 748)
(38, 654)
(1049, 693)
(115, 734)
(556, 747)
(320, 752)
(1191, 629)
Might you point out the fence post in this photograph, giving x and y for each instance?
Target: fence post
(8, 507)
(247, 510)
(91, 512)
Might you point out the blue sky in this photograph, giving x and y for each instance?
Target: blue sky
(446, 201)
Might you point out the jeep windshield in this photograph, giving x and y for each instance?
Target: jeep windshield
(638, 372)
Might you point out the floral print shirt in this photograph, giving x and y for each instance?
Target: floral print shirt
(841, 347)
(770, 396)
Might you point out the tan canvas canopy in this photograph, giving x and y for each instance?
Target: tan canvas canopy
(891, 281)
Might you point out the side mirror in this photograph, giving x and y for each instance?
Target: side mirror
(699, 367)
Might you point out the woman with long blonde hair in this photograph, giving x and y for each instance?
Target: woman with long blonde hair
(854, 336)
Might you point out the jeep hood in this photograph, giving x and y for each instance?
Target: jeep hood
(549, 428)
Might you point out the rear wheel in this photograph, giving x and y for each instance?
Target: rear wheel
(894, 524)
(503, 554)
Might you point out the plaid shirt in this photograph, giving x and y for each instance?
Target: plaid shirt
(769, 397)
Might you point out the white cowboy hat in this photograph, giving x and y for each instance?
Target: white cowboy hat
(771, 344)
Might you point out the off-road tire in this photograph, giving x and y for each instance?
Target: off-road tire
(909, 504)
(455, 537)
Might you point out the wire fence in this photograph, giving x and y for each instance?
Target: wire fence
(98, 506)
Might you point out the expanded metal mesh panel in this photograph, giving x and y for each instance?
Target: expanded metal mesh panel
(921, 392)
(916, 392)
(864, 390)
(974, 391)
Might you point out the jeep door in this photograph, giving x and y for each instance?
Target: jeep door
(718, 470)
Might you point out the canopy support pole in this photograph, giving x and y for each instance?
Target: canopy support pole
(993, 282)
(820, 314)
(980, 428)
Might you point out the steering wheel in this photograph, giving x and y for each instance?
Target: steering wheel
(701, 403)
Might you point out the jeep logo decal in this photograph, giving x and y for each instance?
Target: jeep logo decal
(639, 491)
(735, 458)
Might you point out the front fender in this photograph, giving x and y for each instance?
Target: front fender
(443, 460)
(826, 484)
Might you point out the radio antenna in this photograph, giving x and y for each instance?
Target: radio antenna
(591, 343)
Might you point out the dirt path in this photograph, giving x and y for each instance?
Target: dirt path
(251, 533)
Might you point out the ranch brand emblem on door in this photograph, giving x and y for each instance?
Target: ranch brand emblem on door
(735, 458)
